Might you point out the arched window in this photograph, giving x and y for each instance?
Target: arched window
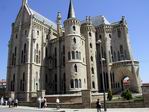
(90, 45)
(75, 67)
(92, 70)
(90, 34)
(74, 40)
(69, 56)
(91, 58)
(76, 83)
(80, 85)
(73, 55)
(77, 55)
(93, 84)
(72, 83)
(74, 28)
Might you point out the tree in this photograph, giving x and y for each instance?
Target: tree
(127, 95)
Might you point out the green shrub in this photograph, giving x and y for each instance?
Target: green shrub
(110, 96)
(127, 95)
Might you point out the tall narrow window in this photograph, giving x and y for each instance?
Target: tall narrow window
(110, 36)
(91, 58)
(22, 56)
(75, 67)
(39, 57)
(80, 55)
(63, 49)
(72, 83)
(92, 70)
(37, 32)
(90, 45)
(74, 40)
(93, 84)
(77, 55)
(24, 60)
(90, 34)
(46, 52)
(69, 56)
(73, 55)
(80, 85)
(121, 49)
(76, 83)
(74, 28)
(100, 37)
(118, 53)
(63, 60)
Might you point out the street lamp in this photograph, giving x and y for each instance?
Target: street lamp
(103, 82)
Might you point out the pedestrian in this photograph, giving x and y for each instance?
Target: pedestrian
(42, 102)
(10, 102)
(2, 100)
(57, 103)
(98, 105)
(15, 102)
(39, 102)
(45, 102)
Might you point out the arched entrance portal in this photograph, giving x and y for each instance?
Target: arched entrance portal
(125, 83)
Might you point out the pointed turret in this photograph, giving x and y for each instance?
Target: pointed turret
(24, 2)
(59, 24)
(71, 12)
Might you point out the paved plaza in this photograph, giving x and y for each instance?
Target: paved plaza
(34, 109)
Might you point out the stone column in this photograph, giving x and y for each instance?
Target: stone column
(11, 94)
(86, 98)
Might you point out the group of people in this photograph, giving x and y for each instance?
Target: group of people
(13, 102)
(9, 101)
(42, 102)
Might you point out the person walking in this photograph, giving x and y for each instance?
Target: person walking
(98, 105)
(15, 102)
(10, 102)
(2, 100)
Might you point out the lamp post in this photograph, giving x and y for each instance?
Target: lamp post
(103, 82)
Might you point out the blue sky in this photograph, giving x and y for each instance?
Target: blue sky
(135, 11)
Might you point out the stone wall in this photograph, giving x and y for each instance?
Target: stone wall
(145, 93)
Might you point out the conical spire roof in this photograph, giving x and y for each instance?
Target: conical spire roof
(71, 12)
(24, 2)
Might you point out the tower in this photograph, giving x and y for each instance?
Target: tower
(88, 31)
(75, 68)
(24, 2)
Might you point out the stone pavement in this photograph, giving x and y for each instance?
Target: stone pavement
(34, 109)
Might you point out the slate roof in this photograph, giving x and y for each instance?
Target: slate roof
(42, 18)
(98, 20)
